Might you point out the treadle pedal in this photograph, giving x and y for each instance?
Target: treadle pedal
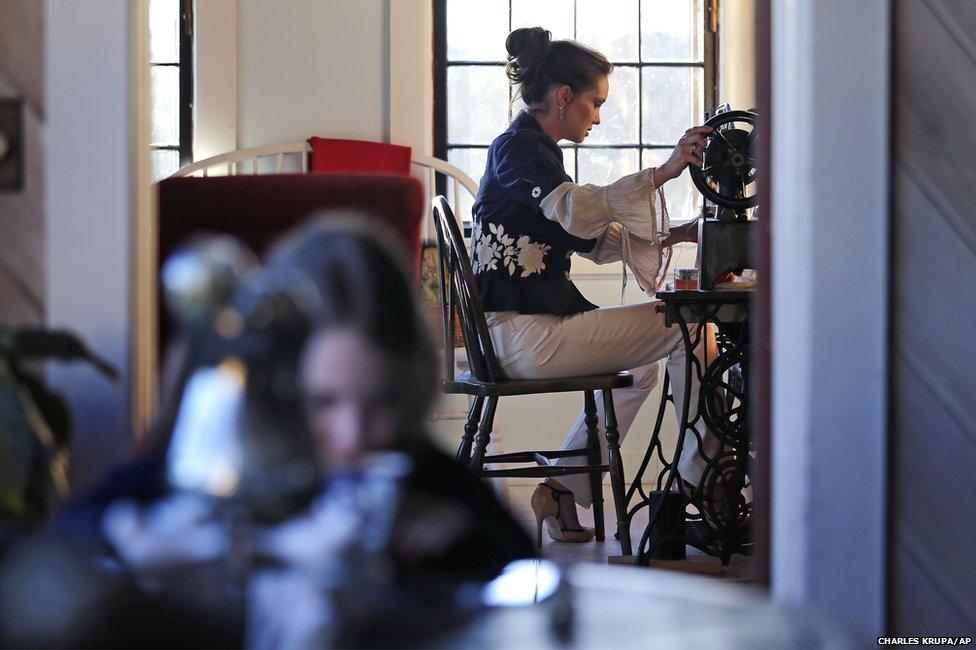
(699, 535)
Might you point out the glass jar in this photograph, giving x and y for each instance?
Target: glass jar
(686, 280)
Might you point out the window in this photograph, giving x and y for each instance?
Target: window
(663, 80)
(170, 85)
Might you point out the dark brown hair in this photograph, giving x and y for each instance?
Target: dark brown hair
(536, 63)
(359, 272)
(340, 270)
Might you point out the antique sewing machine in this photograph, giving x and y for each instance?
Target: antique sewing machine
(711, 511)
(727, 179)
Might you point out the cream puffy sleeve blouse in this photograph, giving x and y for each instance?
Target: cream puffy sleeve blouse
(628, 218)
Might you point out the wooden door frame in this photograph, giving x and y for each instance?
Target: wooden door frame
(761, 327)
(829, 137)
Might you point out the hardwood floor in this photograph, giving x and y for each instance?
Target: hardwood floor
(739, 570)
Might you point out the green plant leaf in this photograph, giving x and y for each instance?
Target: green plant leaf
(34, 343)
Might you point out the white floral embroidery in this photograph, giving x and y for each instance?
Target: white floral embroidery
(531, 256)
(488, 254)
(496, 245)
(476, 245)
(507, 250)
(536, 192)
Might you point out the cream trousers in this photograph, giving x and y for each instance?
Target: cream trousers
(606, 340)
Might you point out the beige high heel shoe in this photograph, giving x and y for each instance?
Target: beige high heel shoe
(545, 505)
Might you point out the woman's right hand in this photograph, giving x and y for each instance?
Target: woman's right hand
(688, 151)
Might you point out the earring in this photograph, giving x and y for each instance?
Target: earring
(562, 110)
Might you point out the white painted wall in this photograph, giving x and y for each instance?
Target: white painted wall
(88, 251)
(311, 67)
(411, 74)
(737, 53)
(215, 78)
(829, 251)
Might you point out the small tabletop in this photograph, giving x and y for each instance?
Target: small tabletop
(695, 306)
(707, 295)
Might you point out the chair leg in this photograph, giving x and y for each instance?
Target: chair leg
(593, 457)
(470, 428)
(616, 471)
(484, 434)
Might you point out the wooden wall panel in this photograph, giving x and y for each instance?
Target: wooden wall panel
(932, 568)
(22, 213)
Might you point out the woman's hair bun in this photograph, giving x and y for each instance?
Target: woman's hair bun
(536, 63)
(527, 47)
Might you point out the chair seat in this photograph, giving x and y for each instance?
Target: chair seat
(466, 384)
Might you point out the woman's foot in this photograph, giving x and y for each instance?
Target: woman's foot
(555, 506)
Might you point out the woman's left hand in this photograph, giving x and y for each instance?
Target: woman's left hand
(686, 232)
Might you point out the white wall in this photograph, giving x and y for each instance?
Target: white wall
(411, 74)
(88, 250)
(215, 78)
(311, 67)
(737, 53)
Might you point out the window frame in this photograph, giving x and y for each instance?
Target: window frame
(185, 66)
(709, 65)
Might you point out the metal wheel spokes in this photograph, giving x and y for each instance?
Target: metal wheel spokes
(729, 162)
(722, 402)
(724, 506)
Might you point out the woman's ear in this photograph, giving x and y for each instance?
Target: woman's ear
(564, 95)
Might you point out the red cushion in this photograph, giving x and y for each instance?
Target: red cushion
(259, 209)
(331, 155)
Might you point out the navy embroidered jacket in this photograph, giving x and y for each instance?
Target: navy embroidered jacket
(521, 259)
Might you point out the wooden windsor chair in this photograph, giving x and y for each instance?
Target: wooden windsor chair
(486, 383)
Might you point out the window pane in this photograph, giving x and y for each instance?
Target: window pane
(569, 161)
(603, 166)
(472, 162)
(618, 117)
(672, 30)
(554, 15)
(164, 163)
(164, 31)
(164, 98)
(609, 26)
(477, 104)
(476, 30)
(518, 104)
(673, 102)
(684, 201)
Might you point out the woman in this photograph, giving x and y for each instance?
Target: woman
(328, 365)
(367, 377)
(529, 218)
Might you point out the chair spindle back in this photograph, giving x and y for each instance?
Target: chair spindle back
(460, 296)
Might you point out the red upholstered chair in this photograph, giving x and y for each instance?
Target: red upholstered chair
(258, 209)
(330, 155)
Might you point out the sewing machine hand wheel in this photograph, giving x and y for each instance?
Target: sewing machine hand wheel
(729, 163)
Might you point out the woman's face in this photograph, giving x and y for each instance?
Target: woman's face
(343, 381)
(583, 110)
